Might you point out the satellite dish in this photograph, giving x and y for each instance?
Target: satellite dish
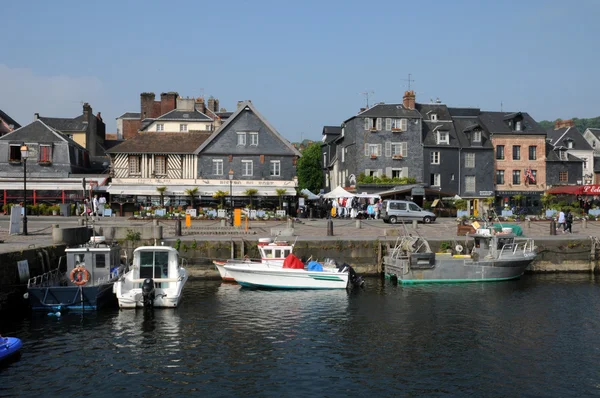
(458, 248)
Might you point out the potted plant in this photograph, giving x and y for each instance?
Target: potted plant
(55, 209)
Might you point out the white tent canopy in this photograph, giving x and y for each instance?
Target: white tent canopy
(338, 192)
(309, 194)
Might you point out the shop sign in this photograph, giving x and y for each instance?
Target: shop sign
(486, 193)
(591, 189)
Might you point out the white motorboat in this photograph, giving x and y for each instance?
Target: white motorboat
(272, 253)
(155, 279)
(295, 277)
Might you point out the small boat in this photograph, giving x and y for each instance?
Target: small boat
(294, 275)
(155, 279)
(10, 347)
(86, 283)
(487, 256)
(272, 253)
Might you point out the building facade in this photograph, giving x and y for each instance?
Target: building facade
(7, 123)
(573, 143)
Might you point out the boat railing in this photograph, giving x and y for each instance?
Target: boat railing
(512, 248)
(50, 278)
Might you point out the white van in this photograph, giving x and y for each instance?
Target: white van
(393, 211)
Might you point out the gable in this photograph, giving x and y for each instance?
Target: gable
(36, 131)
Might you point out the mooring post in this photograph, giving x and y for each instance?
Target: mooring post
(358, 224)
(552, 227)
(584, 223)
(178, 227)
(414, 224)
(242, 249)
(379, 257)
(232, 249)
(329, 227)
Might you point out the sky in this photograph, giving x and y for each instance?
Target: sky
(303, 64)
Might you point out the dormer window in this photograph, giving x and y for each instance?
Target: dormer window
(562, 155)
(476, 136)
(518, 125)
(433, 117)
(570, 144)
(443, 137)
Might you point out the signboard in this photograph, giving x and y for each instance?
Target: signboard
(15, 220)
(23, 267)
(513, 193)
(435, 203)
(107, 212)
(591, 189)
(300, 202)
(417, 191)
(191, 212)
(486, 193)
(221, 213)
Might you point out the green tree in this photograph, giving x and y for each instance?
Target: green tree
(161, 192)
(192, 192)
(280, 192)
(221, 196)
(310, 168)
(251, 192)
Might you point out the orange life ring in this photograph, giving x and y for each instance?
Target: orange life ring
(80, 275)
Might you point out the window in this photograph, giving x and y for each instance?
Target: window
(518, 126)
(160, 165)
(45, 154)
(433, 117)
(378, 123)
(396, 173)
(183, 128)
(100, 260)
(516, 152)
(470, 183)
(15, 153)
(324, 159)
(397, 206)
(134, 165)
(253, 139)
(399, 124)
(500, 152)
(218, 167)
(452, 177)
(372, 150)
(398, 149)
(562, 155)
(534, 174)
(388, 124)
(241, 139)
(570, 144)
(247, 168)
(435, 179)
(368, 123)
(275, 168)
(160, 127)
(470, 160)
(435, 157)
(532, 152)
(413, 207)
(476, 136)
(208, 127)
(517, 177)
(343, 155)
(443, 137)
(563, 176)
(500, 177)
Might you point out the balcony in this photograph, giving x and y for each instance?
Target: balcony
(397, 157)
(373, 156)
(396, 130)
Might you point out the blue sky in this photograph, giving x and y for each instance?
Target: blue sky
(303, 64)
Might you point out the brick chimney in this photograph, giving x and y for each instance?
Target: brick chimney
(559, 124)
(200, 106)
(146, 105)
(168, 102)
(36, 116)
(211, 104)
(99, 116)
(87, 111)
(216, 105)
(409, 99)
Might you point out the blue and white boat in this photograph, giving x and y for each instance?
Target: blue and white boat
(10, 348)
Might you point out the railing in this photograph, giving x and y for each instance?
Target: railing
(50, 278)
(525, 247)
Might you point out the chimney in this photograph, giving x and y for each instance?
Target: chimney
(211, 103)
(87, 111)
(36, 116)
(239, 104)
(409, 99)
(200, 106)
(146, 105)
(362, 110)
(216, 105)
(168, 102)
(559, 124)
(98, 116)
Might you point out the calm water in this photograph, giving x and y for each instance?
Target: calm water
(538, 336)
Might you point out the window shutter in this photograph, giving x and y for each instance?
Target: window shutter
(367, 172)
(378, 124)
(404, 149)
(404, 124)
(404, 172)
(388, 172)
(366, 149)
(262, 159)
(379, 152)
(388, 124)
(379, 172)
(366, 123)
(388, 149)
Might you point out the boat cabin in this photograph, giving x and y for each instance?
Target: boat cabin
(484, 244)
(101, 260)
(277, 250)
(156, 262)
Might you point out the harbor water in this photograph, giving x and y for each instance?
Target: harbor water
(536, 336)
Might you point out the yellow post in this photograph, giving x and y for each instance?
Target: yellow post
(476, 207)
(188, 220)
(237, 217)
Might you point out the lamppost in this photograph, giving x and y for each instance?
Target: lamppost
(231, 194)
(24, 156)
(295, 179)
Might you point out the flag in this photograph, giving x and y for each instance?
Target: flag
(529, 176)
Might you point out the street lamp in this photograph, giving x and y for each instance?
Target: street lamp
(231, 194)
(24, 156)
(295, 179)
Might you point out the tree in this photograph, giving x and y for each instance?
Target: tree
(280, 192)
(192, 192)
(310, 169)
(221, 196)
(161, 192)
(251, 192)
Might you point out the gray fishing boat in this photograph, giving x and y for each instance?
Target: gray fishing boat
(485, 256)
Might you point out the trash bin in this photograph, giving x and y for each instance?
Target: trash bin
(65, 209)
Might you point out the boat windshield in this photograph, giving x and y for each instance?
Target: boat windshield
(154, 264)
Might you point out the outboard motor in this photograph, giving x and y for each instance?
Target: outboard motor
(148, 292)
(354, 279)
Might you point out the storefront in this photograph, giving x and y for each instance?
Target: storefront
(528, 201)
(50, 191)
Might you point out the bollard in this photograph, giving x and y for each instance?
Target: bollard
(55, 226)
(584, 223)
(312, 213)
(358, 226)
(528, 224)
(155, 223)
(80, 222)
(223, 221)
(178, 227)
(329, 227)
(414, 224)
(290, 223)
(552, 227)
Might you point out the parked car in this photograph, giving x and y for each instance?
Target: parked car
(393, 211)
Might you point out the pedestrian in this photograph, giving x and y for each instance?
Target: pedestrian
(378, 206)
(95, 205)
(561, 221)
(85, 208)
(569, 221)
(101, 205)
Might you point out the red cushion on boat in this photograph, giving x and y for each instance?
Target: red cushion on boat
(292, 261)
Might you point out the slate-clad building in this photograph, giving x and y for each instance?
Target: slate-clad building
(570, 141)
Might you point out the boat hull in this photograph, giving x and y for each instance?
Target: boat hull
(220, 265)
(85, 298)
(285, 278)
(459, 270)
(10, 347)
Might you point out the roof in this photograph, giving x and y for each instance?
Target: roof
(177, 114)
(9, 120)
(464, 112)
(331, 133)
(560, 136)
(427, 110)
(430, 130)
(464, 126)
(388, 110)
(130, 115)
(161, 143)
(552, 155)
(242, 108)
(38, 131)
(595, 132)
(65, 124)
(497, 123)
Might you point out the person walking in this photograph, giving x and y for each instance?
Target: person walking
(95, 205)
(561, 221)
(568, 221)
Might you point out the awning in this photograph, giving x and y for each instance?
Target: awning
(204, 190)
(567, 190)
